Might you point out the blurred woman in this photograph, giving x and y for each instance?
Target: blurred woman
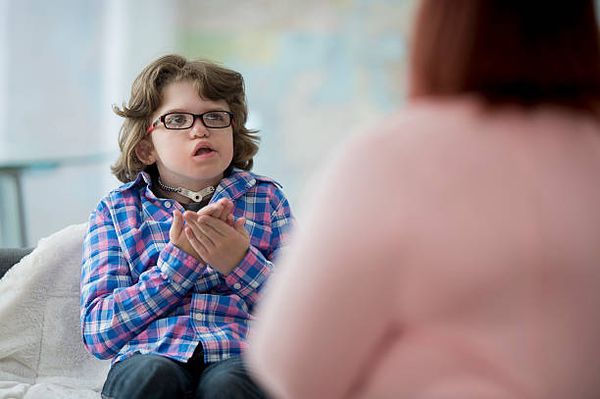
(454, 252)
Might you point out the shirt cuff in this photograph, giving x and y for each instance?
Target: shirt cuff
(250, 274)
(179, 267)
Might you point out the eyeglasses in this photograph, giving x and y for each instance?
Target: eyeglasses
(185, 120)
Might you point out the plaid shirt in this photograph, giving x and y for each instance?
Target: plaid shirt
(140, 293)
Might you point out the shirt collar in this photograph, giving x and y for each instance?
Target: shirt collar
(142, 178)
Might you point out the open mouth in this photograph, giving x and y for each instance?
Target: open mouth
(203, 151)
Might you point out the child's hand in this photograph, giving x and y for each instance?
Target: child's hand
(178, 238)
(222, 209)
(218, 243)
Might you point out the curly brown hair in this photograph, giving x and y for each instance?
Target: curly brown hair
(213, 82)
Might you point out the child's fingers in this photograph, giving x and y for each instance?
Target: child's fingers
(228, 210)
(225, 209)
(211, 209)
(176, 217)
(189, 216)
(201, 234)
(220, 209)
(176, 225)
(198, 245)
(239, 225)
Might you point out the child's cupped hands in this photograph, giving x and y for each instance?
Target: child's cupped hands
(219, 241)
(221, 210)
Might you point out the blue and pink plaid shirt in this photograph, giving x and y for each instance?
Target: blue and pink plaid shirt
(141, 294)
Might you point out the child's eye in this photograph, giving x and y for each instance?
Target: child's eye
(176, 120)
(215, 116)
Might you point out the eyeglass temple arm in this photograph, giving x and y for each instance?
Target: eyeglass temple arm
(152, 126)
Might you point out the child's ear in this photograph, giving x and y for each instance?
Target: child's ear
(145, 151)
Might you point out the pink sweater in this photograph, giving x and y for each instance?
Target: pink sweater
(452, 254)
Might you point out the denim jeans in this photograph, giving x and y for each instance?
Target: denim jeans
(158, 377)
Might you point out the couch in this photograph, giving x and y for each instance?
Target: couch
(41, 353)
(10, 257)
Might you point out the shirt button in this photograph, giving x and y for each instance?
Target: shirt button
(237, 286)
(167, 204)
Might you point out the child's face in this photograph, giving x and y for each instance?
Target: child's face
(177, 153)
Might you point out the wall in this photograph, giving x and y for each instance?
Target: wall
(316, 73)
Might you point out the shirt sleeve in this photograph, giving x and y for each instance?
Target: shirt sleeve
(248, 278)
(114, 308)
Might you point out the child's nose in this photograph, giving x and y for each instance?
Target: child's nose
(198, 129)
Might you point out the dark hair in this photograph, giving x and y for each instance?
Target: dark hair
(212, 81)
(519, 51)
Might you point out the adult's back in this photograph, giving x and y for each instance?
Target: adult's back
(479, 267)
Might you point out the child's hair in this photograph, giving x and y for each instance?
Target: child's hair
(212, 81)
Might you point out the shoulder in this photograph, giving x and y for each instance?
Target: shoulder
(256, 189)
(251, 178)
(420, 120)
(390, 164)
(421, 133)
(125, 195)
(266, 181)
(253, 182)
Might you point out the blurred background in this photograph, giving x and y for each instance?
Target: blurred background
(316, 73)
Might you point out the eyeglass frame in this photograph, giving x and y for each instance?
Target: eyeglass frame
(194, 116)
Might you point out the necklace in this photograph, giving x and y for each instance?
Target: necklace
(195, 196)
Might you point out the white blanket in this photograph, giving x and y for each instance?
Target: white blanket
(41, 352)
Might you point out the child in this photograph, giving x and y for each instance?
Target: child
(174, 260)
